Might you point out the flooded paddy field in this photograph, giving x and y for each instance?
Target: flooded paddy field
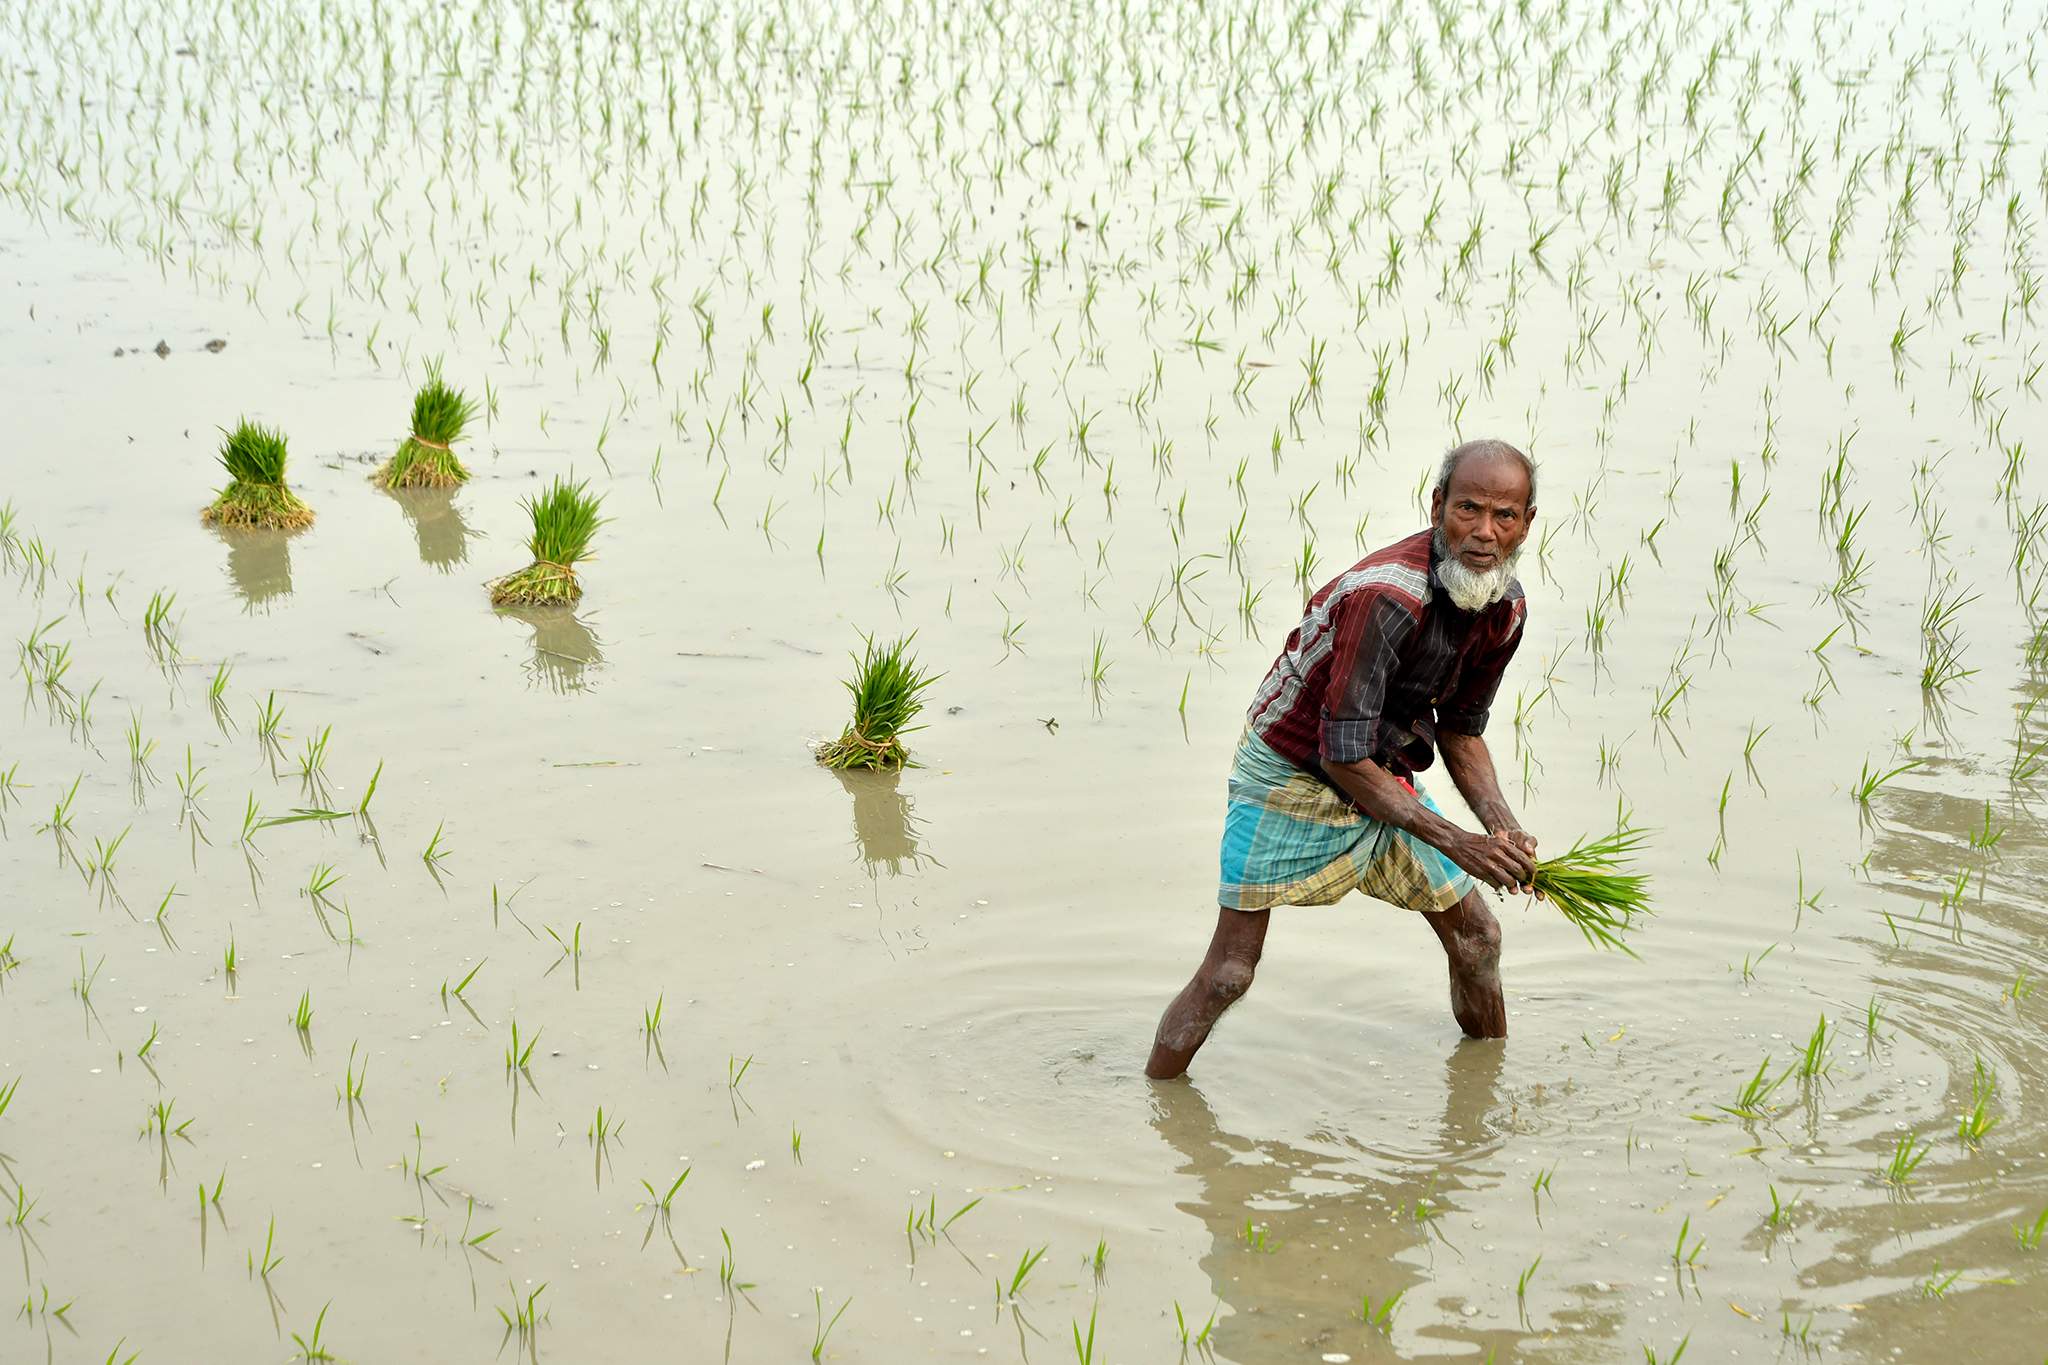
(389, 977)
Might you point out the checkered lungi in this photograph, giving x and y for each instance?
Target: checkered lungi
(1291, 839)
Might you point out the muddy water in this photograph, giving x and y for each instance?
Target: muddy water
(886, 997)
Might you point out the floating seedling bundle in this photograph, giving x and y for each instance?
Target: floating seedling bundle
(256, 496)
(426, 458)
(1593, 888)
(564, 519)
(888, 693)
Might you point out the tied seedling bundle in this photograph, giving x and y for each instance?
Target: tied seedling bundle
(888, 693)
(1593, 888)
(426, 458)
(256, 496)
(564, 519)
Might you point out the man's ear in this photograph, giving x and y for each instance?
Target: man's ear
(1436, 507)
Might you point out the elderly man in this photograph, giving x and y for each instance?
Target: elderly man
(1396, 658)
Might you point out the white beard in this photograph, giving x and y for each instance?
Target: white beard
(1468, 588)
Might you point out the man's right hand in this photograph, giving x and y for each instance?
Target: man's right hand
(1499, 860)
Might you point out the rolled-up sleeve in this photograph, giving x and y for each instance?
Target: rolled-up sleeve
(1364, 652)
(1466, 710)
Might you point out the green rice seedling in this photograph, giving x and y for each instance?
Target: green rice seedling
(1380, 1317)
(824, 1328)
(350, 1091)
(1084, 1348)
(363, 806)
(1256, 1237)
(302, 1017)
(796, 1144)
(525, 1317)
(1026, 1263)
(888, 689)
(660, 1202)
(1978, 1121)
(1870, 779)
(1650, 1357)
(158, 630)
(1905, 1159)
(1683, 1254)
(1522, 1281)
(2030, 1237)
(1984, 836)
(256, 495)
(728, 1268)
(313, 761)
(459, 987)
(7, 1093)
(1752, 1102)
(564, 520)
(1590, 886)
(434, 854)
(217, 696)
(426, 458)
(1781, 1210)
(310, 1349)
(1817, 1059)
(270, 723)
(518, 1058)
(1199, 1341)
(269, 1260)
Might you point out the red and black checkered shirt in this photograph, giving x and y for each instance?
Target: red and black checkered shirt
(1381, 661)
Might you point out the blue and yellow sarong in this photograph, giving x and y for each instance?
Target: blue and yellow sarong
(1289, 838)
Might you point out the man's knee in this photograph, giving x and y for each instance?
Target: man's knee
(1476, 922)
(1231, 978)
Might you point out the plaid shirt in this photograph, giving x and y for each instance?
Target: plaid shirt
(1381, 661)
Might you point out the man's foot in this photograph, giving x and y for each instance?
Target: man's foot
(1471, 939)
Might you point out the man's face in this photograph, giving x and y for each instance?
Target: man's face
(1485, 513)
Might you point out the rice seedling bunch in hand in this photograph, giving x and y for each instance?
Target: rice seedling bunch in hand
(1591, 886)
(256, 496)
(564, 519)
(888, 693)
(426, 458)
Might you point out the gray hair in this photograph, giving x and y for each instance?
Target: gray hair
(1486, 449)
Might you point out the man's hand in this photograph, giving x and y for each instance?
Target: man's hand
(1506, 861)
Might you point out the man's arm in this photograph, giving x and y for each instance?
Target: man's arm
(1470, 764)
(1499, 859)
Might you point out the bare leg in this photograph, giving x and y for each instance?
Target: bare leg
(1471, 939)
(1225, 974)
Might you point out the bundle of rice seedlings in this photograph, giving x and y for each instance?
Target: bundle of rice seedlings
(564, 519)
(888, 693)
(256, 495)
(1591, 887)
(426, 459)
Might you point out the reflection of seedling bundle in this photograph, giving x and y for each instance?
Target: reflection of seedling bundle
(427, 457)
(564, 519)
(1588, 884)
(256, 495)
(888, 692)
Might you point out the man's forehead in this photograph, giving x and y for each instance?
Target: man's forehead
(1502, 481)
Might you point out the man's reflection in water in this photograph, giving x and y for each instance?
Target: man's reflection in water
(1340, 1222)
